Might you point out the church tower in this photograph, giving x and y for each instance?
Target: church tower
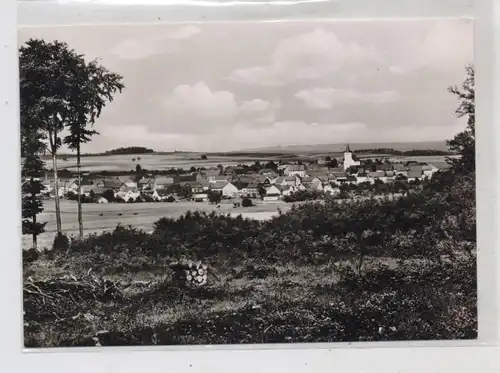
(348, 158)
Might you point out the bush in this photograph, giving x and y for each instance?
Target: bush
(61, 242)
(246, 202)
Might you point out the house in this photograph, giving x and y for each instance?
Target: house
(163, 182)
(209, 174)
(128, 195)
(291, 180)
(197, 188)
(185, 178)
(219, 179)
(98, 191)
(309, 185)
(429, 170)
(230, 190)
(414, 175)
(71, 186)
(375, 175)
(205, 183)
(109, 183)
(85, 190)
(332, 190)
(288, 190)
(201, 197)
(251, 190)
(217, 186)
(245, 178)
(296, 169)
(399, 167)
(273, 193)
(362, 178)
(383, 167)
(102, 200)
(127, 181)
(161, 194)
(146, 183)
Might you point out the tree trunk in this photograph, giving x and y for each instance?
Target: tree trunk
(79, 178)
(56, 186)
(34, 231)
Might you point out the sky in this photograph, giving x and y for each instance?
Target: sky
(230, 86)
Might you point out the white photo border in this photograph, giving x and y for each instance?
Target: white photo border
(410, 356)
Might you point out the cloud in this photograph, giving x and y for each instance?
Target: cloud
(137, 48)
(309, 56)
(200, 100)
(326, 98)
(439, 48)
(186, 32)
(295, 133)
(255, 105)
(199, 108)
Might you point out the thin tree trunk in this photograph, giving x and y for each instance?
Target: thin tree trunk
(56, 185)
(33, 198)
(79, 178)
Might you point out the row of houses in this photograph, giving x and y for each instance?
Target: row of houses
(230, 185)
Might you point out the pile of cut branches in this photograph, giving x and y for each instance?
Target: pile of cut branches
(60, 298)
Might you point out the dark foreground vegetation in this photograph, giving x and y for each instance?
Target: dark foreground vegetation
(363, 271)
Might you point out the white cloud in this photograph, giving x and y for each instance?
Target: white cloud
(439, 48)
(254, 105)
(141, 47)
(201, 101)
(308, 56)
(326, 98)
(295, 133)
(185, 32)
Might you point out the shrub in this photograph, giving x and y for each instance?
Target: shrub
(246, 202)
(61, 242)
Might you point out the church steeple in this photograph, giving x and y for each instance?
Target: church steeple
(347, 149)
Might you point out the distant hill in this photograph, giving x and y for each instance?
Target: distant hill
(330, 148)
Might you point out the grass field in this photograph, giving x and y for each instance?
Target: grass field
(138, 215)
(129, 162)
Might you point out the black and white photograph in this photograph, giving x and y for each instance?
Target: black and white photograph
(223, 183)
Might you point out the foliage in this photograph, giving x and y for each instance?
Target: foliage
(303, 195)
(32, 188)
(464, 142)
(109, 194)
(129, 150)
(214, 197)
(61, 242)
(246, 202)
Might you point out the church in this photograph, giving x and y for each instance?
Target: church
(349, 159)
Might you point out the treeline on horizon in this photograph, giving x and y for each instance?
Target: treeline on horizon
(413, 152)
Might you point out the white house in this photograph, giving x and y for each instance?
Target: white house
(200, 197)
(288, 190)
(130, 194)
(349, 160)
(273, 193)
(429, 170)
(296, 169)
(230, 190)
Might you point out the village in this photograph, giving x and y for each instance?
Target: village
(268, 182)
